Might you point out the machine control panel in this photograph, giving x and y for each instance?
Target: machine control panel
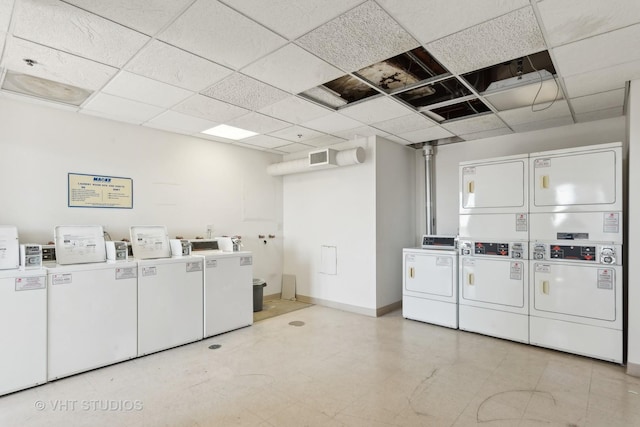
(597, 254)
(439, 242)
(31, 256)
(514, 250)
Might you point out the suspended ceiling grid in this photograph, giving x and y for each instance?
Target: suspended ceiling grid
(187, 65)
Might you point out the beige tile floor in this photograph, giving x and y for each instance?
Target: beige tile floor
(339, 369)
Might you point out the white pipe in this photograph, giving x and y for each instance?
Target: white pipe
(343, 158)
(427, 151)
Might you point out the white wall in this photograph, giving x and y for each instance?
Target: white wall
(633, 241)
(179, 181)
(447, 158)
(333, 207)
(395, 216)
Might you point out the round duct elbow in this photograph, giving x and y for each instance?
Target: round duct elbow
(348, 157)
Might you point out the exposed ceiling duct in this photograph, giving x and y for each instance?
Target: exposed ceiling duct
(314, 161)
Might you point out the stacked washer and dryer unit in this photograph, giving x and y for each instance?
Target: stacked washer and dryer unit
(541, 249)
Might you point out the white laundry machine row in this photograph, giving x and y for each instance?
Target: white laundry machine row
(494, 291)
(228, 287)
(23, 329)
(430, 281)
(170, 302)
(92, 316)
(576, 298)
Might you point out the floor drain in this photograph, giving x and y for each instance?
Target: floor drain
(214, 346)
(296, 323)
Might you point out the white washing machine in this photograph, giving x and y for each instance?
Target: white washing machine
(228, 287)
(92, 316)
(576, 298)
(494, 294)
(494, 198)
(430, 281)
(170, 302)
(23, 329)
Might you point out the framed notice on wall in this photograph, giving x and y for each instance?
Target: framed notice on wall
(98, 191)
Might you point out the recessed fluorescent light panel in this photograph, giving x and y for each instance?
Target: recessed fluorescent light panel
(44, 89)
(229, 132)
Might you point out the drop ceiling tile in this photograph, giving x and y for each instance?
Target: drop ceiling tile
(486, 134)
(70, 29)
(324, 141)
(293, 69)
(56, 65)
(510, 36)
(332, 123)
(169, 64)
(397, 139)
(6, 7)
(266, 141)
(210, 109)
(602, 80)
(544, 124)
(37, 101)
(539, 113)
(295, 110)
(214, 138)
(423, 135)
(259, 123)
(296, 134)
(474, 124)
(174, 121)
(443, 17)
(142, 89)
(148, 16)
(245, 92)
(599, 115)
(404, 124)
(294, 148)
(292, 19)
(606, 50)
(216, 32)
(375, 110)
(570, 20)
(599, 101)
(361, 37)
(121, 109)
(360, 132)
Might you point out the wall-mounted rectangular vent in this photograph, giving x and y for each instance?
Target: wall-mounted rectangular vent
(325, 157)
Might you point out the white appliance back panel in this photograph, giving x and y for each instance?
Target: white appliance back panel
(23, 331)
(431, 274)
(587, 179)
(590, 294)
(508, 226)
(583, 226)
(494, 185)
(493, 283)
(150, 241)
(79, 244)
(9, 247)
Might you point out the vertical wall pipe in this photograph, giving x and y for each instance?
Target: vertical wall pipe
(427, 152)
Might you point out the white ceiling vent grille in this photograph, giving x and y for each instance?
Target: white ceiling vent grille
(325, 157)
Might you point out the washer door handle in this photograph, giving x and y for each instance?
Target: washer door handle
(411, 272)
(470, 279)
(545, 181)
(471, 187)
(545, 287)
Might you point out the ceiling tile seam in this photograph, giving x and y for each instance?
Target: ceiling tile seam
(558, 78)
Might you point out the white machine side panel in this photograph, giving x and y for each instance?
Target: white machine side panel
(170, 305)
(498, 284)
(228, 295)
(9, 247)
(92, 320)
(494, 187)
(600, 226)
(586, 293)
(508, 226)
(431, 274)
(430, 311)
(23, 336)
(585, 181)
(591, 341)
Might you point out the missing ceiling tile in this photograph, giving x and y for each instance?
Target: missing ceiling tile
(49, 90)
(340, 92)
(448, 112)
(434, 93)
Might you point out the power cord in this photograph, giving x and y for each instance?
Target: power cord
(540, 88)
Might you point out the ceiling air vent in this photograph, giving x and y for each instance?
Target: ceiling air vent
(325, 157)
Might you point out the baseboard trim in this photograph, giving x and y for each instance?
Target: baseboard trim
(350, 308)
(633, 369)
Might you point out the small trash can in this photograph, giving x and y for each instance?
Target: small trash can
(258, 287)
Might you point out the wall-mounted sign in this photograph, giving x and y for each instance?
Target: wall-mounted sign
(97, 191)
